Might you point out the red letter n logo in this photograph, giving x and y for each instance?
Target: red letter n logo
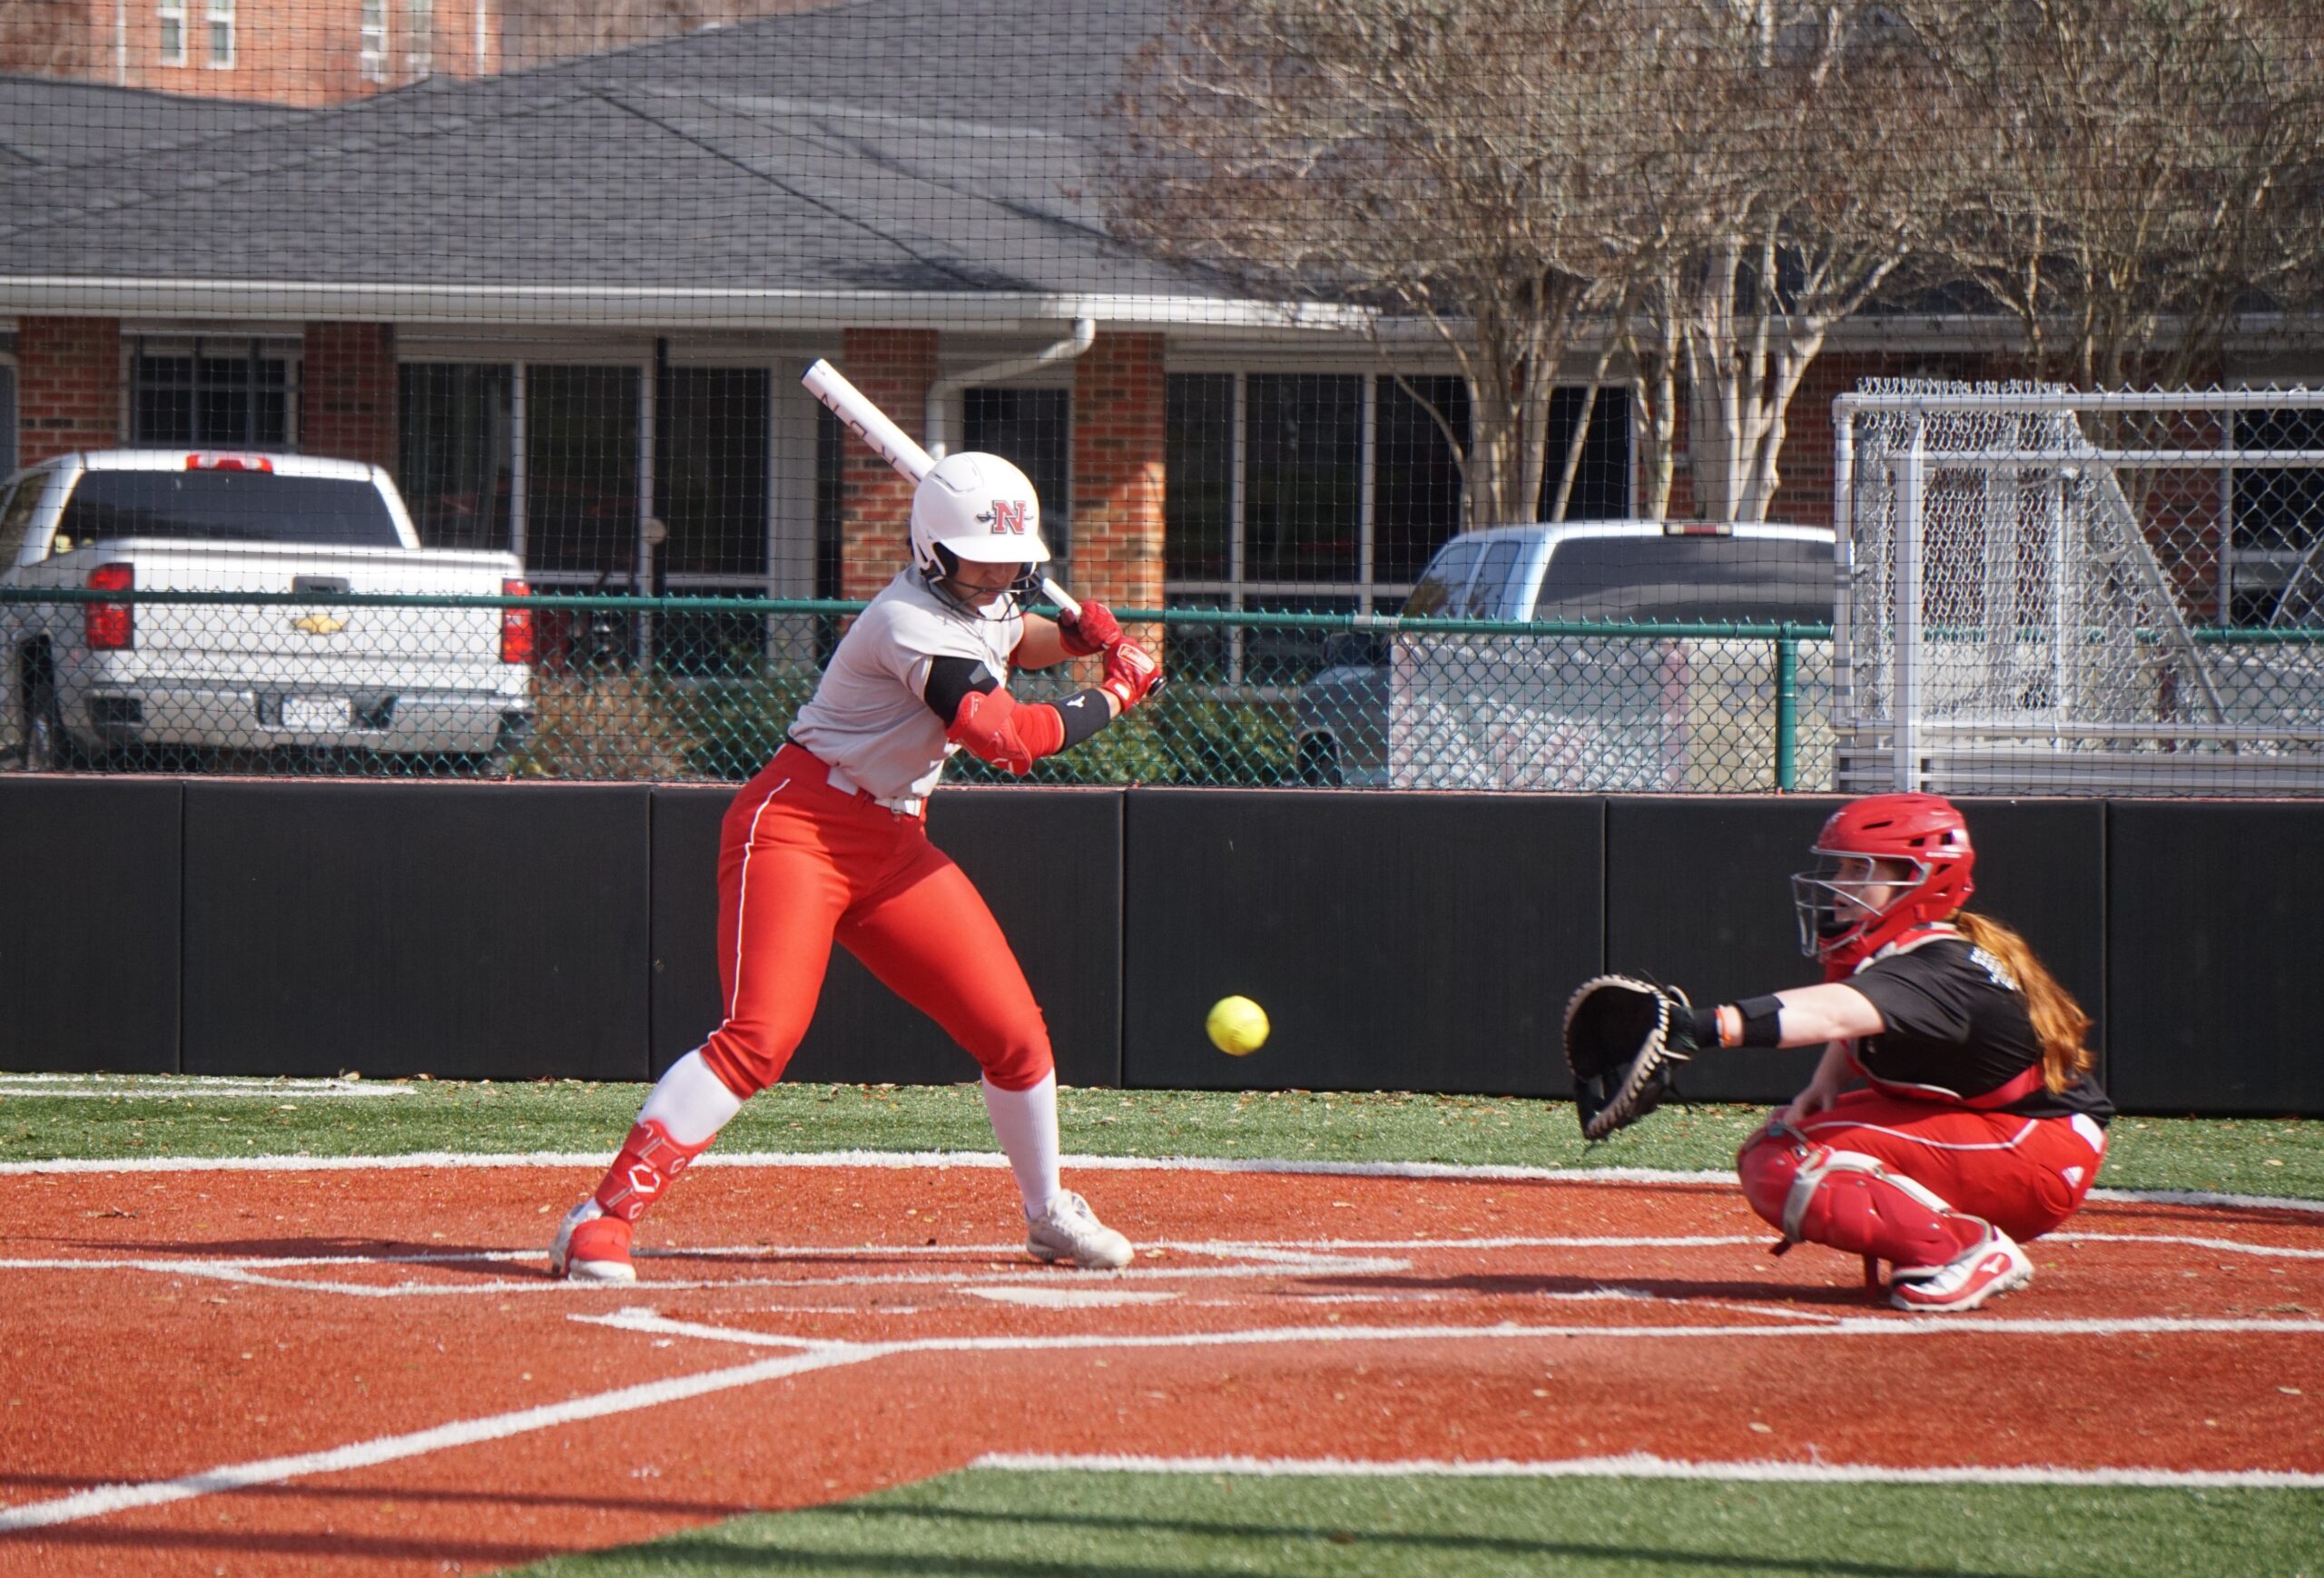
(1008, 515)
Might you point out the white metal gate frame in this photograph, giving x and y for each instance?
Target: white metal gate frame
(1895, 704)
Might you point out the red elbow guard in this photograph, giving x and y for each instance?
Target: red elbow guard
(994, 726)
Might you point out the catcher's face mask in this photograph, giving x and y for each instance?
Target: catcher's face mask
(1847, 896)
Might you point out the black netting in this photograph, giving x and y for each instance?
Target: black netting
(1376, 359)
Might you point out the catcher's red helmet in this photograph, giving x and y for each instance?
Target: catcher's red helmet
(1836, 923)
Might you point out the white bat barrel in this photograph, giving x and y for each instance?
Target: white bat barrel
(851, 406)
(854, 407)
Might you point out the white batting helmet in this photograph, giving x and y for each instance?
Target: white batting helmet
(977, 507)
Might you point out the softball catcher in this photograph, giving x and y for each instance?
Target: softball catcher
(1973, 1122)
(828, 843)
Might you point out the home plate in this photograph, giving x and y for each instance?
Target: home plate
(1072, 1297)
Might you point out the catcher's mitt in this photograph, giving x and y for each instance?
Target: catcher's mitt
(1623, 1036)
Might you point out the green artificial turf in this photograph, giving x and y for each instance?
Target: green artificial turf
(2244, 1156)
(1155, 1526)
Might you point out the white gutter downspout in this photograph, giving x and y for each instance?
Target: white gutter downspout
(940, 392)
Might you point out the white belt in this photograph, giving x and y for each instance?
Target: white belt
(902, 805)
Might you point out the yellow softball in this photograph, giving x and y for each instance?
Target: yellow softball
(1237, 1026)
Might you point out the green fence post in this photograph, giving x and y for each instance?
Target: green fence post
(1787, 713)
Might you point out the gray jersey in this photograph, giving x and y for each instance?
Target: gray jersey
(868, 716)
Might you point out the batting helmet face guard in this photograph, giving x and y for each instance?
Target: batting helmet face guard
(1885, 865)
(980, 509)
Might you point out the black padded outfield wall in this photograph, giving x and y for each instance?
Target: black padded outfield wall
(1424, 942)
(1403, 943)
(1049, 864)
(466, 930)
(92, 873)
(1698, 894)
(2215, 923)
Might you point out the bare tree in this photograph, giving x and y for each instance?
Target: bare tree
(1702, 187)
(1787, 185)
(1449, 161)
(2134, 173)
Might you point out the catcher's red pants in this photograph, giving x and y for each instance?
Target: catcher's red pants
(801, 865)
(2023, 1175)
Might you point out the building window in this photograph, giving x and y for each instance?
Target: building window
(1282, 485)
(8, 418)
(231, 393)
(1198, 461)
(221, 34)
(1303, 472)
(172, 31)
(371, 51)
(457, 452)
(710, 470)
(1328, 493)
(422, 60)
(581, 473)
(2273, 570)
(1416, 473)
(1032, 429)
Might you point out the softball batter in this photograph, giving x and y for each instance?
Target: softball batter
(828, 843)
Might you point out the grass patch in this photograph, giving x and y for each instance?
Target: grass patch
(1150, 1525)
(135, 1117)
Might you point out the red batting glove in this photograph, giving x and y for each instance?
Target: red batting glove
(1094, 629)
(1131, 674)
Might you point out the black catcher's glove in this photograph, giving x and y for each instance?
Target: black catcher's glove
(1623, 1036)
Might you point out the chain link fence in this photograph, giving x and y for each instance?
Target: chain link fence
(2062, 592)
(675, 689)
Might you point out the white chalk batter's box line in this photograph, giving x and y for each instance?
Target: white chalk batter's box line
(1243, 1260)
(1456, 1172)
(179, 1088)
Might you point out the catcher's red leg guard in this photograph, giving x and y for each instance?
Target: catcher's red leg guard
(650, 1160)
(1849, 1201)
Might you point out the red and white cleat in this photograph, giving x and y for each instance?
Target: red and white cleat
(1987, 1269)
(592, 1247)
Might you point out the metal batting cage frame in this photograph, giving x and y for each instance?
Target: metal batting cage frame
(2045, 591)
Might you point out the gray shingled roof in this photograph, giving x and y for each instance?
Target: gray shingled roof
(45, 122)
(887, 146)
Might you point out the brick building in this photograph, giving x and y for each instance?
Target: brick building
(282, 52)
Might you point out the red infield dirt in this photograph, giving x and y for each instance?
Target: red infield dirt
(367, 1371)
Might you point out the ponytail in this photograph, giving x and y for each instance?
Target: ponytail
(2059, 1023)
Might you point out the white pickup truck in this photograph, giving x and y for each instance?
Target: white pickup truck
(106, 682)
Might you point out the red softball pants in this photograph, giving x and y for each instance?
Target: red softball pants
(2023, 1175)
(801, 865)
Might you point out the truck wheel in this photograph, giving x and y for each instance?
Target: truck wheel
(47, 748)
(1319, 761)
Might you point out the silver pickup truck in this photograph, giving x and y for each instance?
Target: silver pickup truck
(101, 682)
(1423, 709)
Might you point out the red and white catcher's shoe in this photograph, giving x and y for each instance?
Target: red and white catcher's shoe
(591, 1247)
(1987, 1269)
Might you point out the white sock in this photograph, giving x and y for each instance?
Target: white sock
(1025, 1122)
(692, 1103)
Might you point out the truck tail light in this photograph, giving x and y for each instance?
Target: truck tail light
(111, 627)
(215, 460)
(515, 625)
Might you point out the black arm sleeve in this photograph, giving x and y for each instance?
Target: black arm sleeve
(1084, 713)
(950, 679)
